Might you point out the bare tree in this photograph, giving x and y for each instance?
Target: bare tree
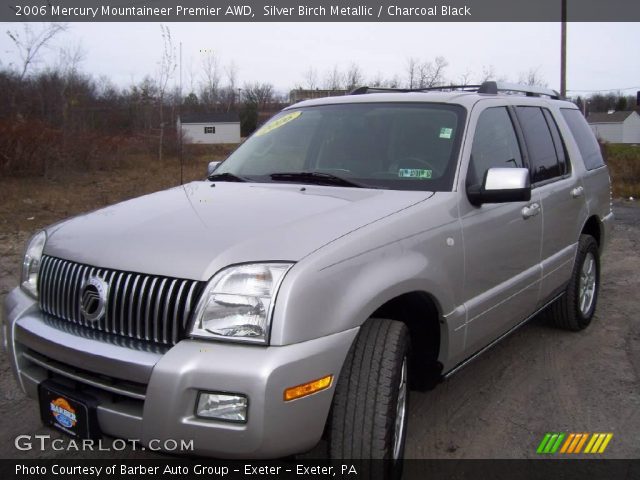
(377, 81)
(30, 42)
(260, 94)
(532, 78)
(211, 78)
(431, 74)
(489, 73)
(393, 82)
(412, 72)
(230, 91)
(311, 79)
(353, 77)
(426, 73)
(465, 78)
(106, 90)
(70, 58)
(166, 68)
(191, 77)
(439, 65)
(334, 79)
(265, 95)
(69, 61)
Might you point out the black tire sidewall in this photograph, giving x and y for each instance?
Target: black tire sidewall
(395, 467)
(351, 414)
(587, 245)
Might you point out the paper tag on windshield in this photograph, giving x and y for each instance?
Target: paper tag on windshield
(414, 173)
(446, 132)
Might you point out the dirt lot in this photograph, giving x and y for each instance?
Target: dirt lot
(536, 381)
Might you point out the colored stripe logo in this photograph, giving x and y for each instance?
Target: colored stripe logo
(569, 443)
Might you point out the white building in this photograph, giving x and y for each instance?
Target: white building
(616, 127)
(210, 128)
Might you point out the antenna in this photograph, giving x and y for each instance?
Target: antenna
(180, 117)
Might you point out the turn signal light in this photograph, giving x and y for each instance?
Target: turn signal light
(307, 388)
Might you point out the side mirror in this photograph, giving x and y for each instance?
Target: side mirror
(501, 185)
(212, 167)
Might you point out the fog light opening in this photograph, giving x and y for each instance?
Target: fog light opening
(308, 388)
(227, 407)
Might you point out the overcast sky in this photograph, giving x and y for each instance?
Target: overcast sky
(601, 56)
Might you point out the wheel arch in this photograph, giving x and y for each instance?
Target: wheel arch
(421, 313)
(593, 226)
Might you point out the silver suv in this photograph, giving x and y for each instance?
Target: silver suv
(352, 249)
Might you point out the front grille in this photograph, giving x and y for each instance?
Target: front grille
(147, 307)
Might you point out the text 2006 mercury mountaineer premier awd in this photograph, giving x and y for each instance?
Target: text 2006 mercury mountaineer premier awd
(352, 248)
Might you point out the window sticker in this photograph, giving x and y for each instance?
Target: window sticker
(414, 173)
(277, 123)
(446, 132)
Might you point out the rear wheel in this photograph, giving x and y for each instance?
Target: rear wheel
(575, 309)
(368, 418)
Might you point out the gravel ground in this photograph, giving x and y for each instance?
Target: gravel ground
(537, 380)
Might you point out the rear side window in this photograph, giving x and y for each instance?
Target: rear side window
(543, 156)
(586, 140)
(561, 151)
(494, 144)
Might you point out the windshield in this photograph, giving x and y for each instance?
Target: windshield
(402, 146)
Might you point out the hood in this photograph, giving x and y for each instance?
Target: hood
(193, 230)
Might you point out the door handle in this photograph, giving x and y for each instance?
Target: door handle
(531, 210)
(577, 192)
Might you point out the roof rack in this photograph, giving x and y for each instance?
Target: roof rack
(363, 90)
(488, 87)
(530, 90)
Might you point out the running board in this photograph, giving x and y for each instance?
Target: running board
(497, 340)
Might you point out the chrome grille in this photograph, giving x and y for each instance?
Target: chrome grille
(147, 307)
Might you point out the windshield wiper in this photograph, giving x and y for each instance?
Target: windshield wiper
(226, 177)
(316, 178)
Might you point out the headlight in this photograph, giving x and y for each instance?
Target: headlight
(31, 264)
(238, 301)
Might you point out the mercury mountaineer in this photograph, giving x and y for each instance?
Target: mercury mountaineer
(352, 249)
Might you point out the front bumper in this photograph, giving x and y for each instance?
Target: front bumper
(149, 394)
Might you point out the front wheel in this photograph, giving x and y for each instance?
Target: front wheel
(575, 309)
(368, 418)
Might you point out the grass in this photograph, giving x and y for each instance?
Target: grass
(30, 203)
(624, 166)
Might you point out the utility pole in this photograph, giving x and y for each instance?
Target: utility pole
(563, 51)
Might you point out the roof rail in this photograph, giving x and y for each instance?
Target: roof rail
(530, 90)
(364, 90)
(488, 87)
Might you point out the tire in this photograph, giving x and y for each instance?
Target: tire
(575, 309)
(371, 394)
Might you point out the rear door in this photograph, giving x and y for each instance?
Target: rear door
(560, 192)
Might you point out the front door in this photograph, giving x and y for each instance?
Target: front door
(502, 241)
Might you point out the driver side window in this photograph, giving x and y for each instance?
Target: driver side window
(494, 145)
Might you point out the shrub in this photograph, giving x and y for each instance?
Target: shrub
(624, 166)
